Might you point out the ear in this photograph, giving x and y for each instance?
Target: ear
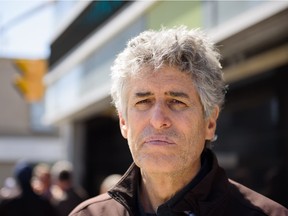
(123, 125)
(211, 123)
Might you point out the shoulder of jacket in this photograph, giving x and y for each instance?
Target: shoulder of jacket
(92, 202)
(258, 202)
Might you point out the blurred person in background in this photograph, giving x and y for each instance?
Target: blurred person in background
(109, 182)
(168, 89)
(64, 195)
(27, 202)
(10, 189)
(42, 180)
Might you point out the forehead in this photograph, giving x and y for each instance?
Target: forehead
(165, 79)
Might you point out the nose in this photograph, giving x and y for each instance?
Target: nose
(160, 116)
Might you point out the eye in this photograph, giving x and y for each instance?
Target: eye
(143, 104)
(177, 104)
(175, 101)
(143, 101)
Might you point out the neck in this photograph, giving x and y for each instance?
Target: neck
(158, 188)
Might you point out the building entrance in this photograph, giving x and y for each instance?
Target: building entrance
(106, 152)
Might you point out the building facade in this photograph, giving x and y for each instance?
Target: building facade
(252, 36)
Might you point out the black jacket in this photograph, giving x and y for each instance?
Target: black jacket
(213, 195)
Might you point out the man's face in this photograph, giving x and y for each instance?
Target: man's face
(164, 122)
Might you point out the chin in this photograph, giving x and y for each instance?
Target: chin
(158, 165)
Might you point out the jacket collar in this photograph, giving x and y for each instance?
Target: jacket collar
(207, 193)
(125, 191)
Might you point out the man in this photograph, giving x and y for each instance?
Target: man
(168, 89)
(41, 180)
(65, 196)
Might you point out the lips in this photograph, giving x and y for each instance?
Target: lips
(159, 140)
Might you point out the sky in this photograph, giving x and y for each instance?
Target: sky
(25, 28)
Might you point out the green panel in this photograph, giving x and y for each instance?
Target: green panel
(174, 13)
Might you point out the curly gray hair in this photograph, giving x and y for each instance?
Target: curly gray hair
(190, 51)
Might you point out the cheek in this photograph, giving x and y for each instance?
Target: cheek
(133, 146)
(195, 133)
(135, 133)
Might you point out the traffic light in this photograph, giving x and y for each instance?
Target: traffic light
(30, 80)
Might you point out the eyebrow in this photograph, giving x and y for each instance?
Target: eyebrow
(143, 94)
(170, 93)
(177, 94)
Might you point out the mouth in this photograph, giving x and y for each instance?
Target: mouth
(159, 140)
